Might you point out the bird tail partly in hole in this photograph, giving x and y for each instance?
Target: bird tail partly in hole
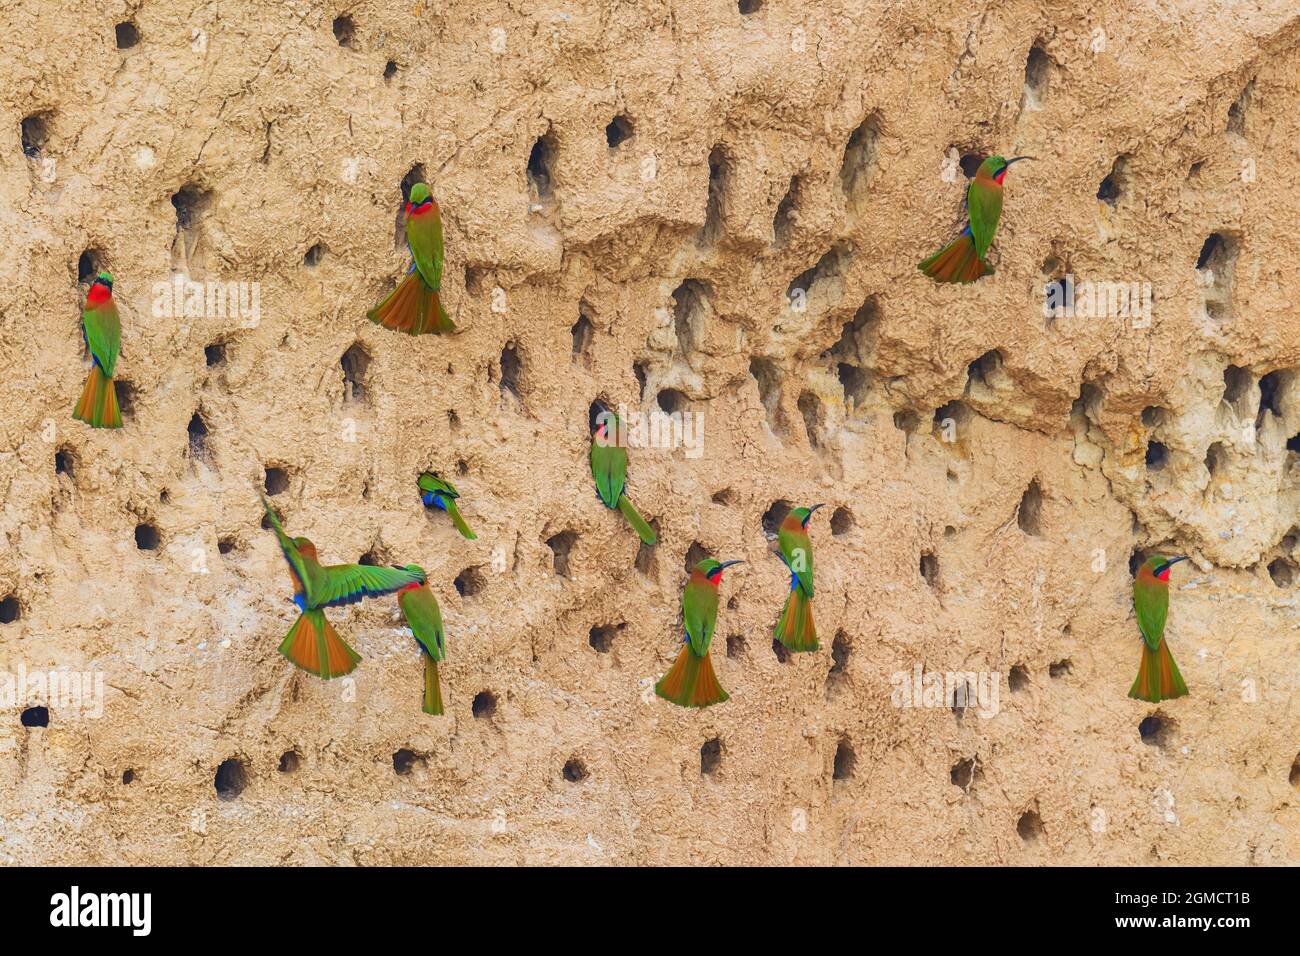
(432, 703)
(314, 645)
(795, 628)
(1158, 678)
(97, 406)
(459, 521)
(956, 262)
(639, 524)
(690, 682)
(413, 308)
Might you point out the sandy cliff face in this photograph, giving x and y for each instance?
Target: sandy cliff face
(709, 210)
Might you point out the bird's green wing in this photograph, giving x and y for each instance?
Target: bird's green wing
(700, 615)
(431, 482)
(1151, 602)
(424, 237)
(796, 549)
(296, 563)
(103, 330)
(984, 206)
(609, 468)
(420, 608)
(349, 583)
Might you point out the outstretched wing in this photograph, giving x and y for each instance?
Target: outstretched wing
(348, 583)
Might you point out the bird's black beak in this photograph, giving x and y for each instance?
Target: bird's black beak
(814, 508)
(1172, 561)
(1016, 159)
(726, 564)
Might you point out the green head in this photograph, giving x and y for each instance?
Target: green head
(1157, 567)
(995, 167)
(419, 193)
(712, 569)
(105, 278)
(417, 570)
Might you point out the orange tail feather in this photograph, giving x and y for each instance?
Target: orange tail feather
(314, 645)
(1158, 677)
(955, 262)
(795, 628)
(432, 703)
(98, 406)
(413, 308)
(690, 682)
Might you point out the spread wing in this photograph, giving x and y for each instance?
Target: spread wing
(348, 583)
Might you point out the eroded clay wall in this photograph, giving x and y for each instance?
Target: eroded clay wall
(709, 209)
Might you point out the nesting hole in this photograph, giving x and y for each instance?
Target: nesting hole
(735, 645)
(345, 32)
(404, 761)
(694, 555)
(539, 170)
(1282, 572)
(1030, 513)
(929, 567)
(198, 436)
(35, 134)
(37, 716)
(618, 132)
(583, 332)
(782, 655)
(561, 546)
(65, 463)
(214, 354)
(470, 581)
(1018, 678)
(962, 773)
(231, 778)
(276, 481)
(575, 771)
(1038, 75)
(355, 364)
(749, 7)
(290, 760)
(1157, 456)
(1060, 668)
(126, 34)
(1113, 186)
(511, 368)
(390, 70)
(146, 537)
(1030, 826)
(1157, 730)
(671, 401)
(314, 255)
(710, 756)
(484, 704)
(128, 777)
(842, 521)
(845, 760)
(88, 266)
(601, 638)
(774, 515)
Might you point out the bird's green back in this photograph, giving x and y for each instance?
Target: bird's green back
(1151, 604)
(984, 207)
(796, 549)
(103, 334)
(609, 465)
(424, 237)
(699, 612)
(420, 608)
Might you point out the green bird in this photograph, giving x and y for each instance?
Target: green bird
(415, 306)
(795, 628)
(963, 259)
(609, 468)
(1158, 678)
(690, 682)
(101, 329)
(312, 643)
(439, 493)
(420, 608)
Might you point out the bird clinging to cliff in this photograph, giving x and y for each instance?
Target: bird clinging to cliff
(963, 259)
(439, 493)
(312, 643)
(420, 608)
(690, 682)
(102, 331)
(609, 469)
(415, 306)
(1158, 678)
(795, 628)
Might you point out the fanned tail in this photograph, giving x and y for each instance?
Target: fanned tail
(795, 628)
(413, 308)
(314, 645)
(690, 682)
(955, 262)
(97, 406)
(1158, 678)
(459, 521)
(639, 524)
(432, 702)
